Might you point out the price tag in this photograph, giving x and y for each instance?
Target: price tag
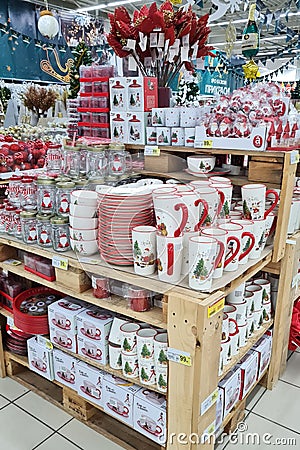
(208, 432)
(179, 357)
(60, 263)
(215, 308)
(206, 143)
(10, 322)
(45, 342)
(208, 402)
(151, 150)
(294, 157)
(12, 262)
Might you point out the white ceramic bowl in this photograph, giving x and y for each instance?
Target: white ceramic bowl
(82, 211)
(83, 223)
(84, 198)
(78, 234)
(84, 248)
(201, 163)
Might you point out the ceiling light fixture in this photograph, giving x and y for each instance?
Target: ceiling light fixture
(245, 20)
(107, 5)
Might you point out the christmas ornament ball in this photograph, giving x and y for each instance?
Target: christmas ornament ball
(47, 24)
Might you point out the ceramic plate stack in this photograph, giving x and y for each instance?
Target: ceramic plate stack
(31, 309)
(120, 210)
(16, 341)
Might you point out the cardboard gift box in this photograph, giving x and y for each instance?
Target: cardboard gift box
(65, 368)
(231, 386)
(219, 408)
(177, 136)
(142, 94)
(136, 127)
(248, 366)
(62, 316)
(118, 94)
(189, 137)
(158, 117)
(118, 126)
(40, 357)
(90, 382)
(264, 348)
(188, 117)
(164, 163)
(118, 398)
(164, 136)
(151, 135)
(150, 415)
(172, 117)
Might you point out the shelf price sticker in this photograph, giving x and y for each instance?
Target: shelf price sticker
(294, 155)
(179, 356)
(208, 402)
(210, 430)
(151, 150)
(60, 262)
(206, 143)
(215, 308)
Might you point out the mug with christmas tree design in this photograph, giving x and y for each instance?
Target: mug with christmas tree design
(145, 344)
(162, 380)
(130, 366)
(144, 249)
(257, 296)
(226, 188)
(160, 351)
(248, 225)
(147, 373)
(254, 201)
(239, 232)
(129, 337)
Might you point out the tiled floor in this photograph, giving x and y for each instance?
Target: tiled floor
(27, 422)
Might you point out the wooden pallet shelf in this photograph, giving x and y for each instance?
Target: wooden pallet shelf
(100, 421)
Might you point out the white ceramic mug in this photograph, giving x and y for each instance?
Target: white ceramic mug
(231, 311)
(197, 210)
(226, 351)
(225, 327)
(160, 351)
(250, 326)
(257, 295)
(248, 225)
(254, 198)
(169, 258)
(115, 356)
(266, 287)
(227, 191)
(267, 311)
(185, 251)
(205, 255)
(128, 340)
(258, 319)
(237, 231)
(249, 299)
(144, 249)
(162, 380)
(223, 180)
(171, 214)
(241, 312)
(223, 237)
(147, 373)
(235, 342)
(145, 344)
(130, 366)
(215, 201)
(236, 296)
(243, 334)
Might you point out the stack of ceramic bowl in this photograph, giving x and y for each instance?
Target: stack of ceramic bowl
(84, 222)
(120, 209)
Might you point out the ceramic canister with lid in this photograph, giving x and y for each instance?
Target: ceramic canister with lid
(60, 233)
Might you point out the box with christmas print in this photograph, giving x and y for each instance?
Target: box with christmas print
(248, 366)
(158, 117)
(136, 127)
(62, 316)
(177, 136)
(90, 382)
(64, 368)
(219, 408)
(94, 326)
(150, 415)
(231, 386)
(118, 398)
(141, 93)
(164, 136)
(188, 117)
(118, 127)
(118, 94)
(255, 141)
(189, 137)
(264, 348)
(151, 135)
(40, 356)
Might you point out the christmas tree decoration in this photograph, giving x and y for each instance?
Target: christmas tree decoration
(188, 91)
(5, 95)
(47, 24)
(39, 100)
(82, 57)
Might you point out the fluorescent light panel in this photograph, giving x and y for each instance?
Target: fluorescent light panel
(107, 5)
(245, 20)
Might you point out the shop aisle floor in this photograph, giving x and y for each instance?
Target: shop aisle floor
(28, 422)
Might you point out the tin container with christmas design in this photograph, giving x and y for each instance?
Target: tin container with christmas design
(44, 230)
(60, 234)
(46, 193)
(177, 136)
(28, 226)
(63, 192)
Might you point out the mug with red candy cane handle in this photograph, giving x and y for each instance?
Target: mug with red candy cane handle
(169, 257)
(274, 204)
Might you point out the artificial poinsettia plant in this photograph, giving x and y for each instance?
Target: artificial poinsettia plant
(161, 39)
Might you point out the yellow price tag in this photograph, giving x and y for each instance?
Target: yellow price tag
(185, 360)
(207, 143)
(60, 263)
(214, 395)
(151, 150)
(179, 357)
(215, 308)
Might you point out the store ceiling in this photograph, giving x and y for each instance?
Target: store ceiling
(270, 43)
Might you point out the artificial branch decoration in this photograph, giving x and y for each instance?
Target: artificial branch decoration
(161, 40)
(82, 57)
(39, 99)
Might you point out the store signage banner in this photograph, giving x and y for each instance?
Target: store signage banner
(214, 83)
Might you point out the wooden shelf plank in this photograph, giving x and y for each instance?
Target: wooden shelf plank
(216, 151)
(243, 350)
(116, 304)
(6, 313)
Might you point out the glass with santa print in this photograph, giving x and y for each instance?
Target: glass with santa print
(46, 195)
(63, 193)
(205, 254)
(144, 249)
(44, 230)
(28, 226)
(119, 161)
(254, 201)
(60, 234)
(97, 162)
